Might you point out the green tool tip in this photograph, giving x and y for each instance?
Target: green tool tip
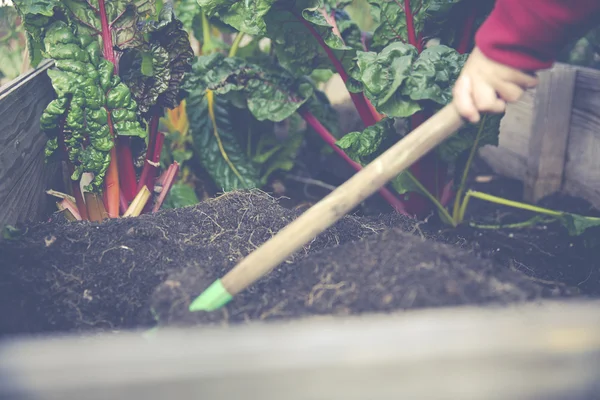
(216, 296)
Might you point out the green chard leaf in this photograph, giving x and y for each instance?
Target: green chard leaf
(91, 101)
(171, 57)
(576, 224)
(296, 29)
(181, 195)
(217, 144)
(462, 142)
(363, 147)
(36, 15)
(244, 15)
(123, 19)
(269, 92)
(392, 17)
(398, 80)
(94, 103)
(187, 12)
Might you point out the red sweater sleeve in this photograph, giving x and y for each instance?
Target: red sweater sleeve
(529, 34)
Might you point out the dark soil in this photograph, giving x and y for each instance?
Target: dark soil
(124, 273)
(387, 272)
(61, 276)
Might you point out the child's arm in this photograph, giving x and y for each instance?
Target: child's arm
(518, 36)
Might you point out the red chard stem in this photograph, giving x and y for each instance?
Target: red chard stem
(367, 113)
(410, 26)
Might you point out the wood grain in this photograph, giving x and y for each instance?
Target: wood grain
(582, 169)
(519, 151)
(509, 158)
(541, 350)
(24, 175)
(549, 132)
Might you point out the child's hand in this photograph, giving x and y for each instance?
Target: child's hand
(485, 86)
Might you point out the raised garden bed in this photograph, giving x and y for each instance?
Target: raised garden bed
(118, 275)
(135, 272)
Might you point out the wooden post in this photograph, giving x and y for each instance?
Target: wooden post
(24, 175)
(549, 132)
(582, 168)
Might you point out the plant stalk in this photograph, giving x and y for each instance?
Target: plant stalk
(463, 182)
(367, 112)
(431, 197)
(236, 44)
(112, 186)
(410, 26)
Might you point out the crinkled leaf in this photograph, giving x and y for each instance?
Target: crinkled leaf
(123, 19)
(578, 224)
(269, 92)
(244, 15)
(171, 56)
(289, 26)
(433, 74)
(91, 105)
(398, 79)
(217, 145)
(187, 12)
(392, 19)
(364, 146)
(36, 15)
(383, 75)
(181, 195)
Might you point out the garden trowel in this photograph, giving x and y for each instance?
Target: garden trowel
(331, 208)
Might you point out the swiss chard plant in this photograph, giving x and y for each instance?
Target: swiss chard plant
(390, 73)
(117, 66)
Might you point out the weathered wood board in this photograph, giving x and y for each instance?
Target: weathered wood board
(550, 139)
(534, 351)
(24, 175)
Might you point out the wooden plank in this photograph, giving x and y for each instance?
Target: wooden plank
(550, 132)
(24, 176)
(546, 350)
(509, 158)
(582, 169)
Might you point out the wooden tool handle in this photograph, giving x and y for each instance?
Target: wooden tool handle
(339, 202)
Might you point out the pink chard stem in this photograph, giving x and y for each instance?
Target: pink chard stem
(366, 111)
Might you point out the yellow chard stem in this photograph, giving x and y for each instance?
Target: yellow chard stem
(456, 212)
(509, 203)
(423, 190)
(236, 44)
(206, 37)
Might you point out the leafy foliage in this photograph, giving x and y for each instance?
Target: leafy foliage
(117, 66)
(399, 81)
(171, 56)
(392, 19)
(180, 195)
(89, 95)
(577, 224)
(216, 143)
(269, 92)
(364, 146)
